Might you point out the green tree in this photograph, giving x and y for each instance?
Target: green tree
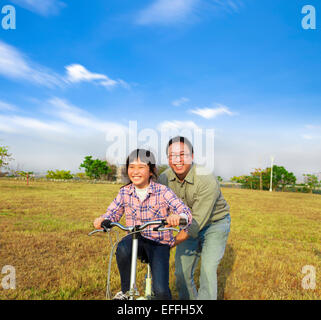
(257, 175)
(260, 179)
(253, 182)
(312, 181)
(281, 177)
(59, 174)
(240, 179)
(5, 156)
(95, 169)
(80, 175)
(248, 182)
(219, 178)
(24, 174)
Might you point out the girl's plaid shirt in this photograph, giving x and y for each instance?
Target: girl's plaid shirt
(160, 202)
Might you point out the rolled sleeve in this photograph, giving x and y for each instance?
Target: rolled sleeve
(206, 197)
(178, 206)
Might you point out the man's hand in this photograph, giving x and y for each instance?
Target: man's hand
(181, 237)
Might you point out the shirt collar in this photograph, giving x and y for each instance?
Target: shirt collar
(150, 189)
(189, 177)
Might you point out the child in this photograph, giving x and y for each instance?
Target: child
(144, 200)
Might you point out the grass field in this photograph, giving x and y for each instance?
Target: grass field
(44, 227)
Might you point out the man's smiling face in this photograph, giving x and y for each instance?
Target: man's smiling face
(180, 159)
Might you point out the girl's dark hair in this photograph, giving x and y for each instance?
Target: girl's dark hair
(180, 139)
(144, 156)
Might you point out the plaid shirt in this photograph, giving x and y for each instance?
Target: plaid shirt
(159, 203)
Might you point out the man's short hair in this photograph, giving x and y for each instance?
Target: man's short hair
(180, 139)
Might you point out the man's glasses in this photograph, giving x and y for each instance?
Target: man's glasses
(181, 156)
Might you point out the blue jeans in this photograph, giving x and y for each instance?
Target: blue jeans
(209, 246)
(158, 258)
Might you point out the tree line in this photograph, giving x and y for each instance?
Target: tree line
(282, 180)
(94, 169)
(259, 179)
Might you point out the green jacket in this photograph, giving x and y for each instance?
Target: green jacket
(201, 192)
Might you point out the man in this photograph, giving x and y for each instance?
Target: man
(207, 236)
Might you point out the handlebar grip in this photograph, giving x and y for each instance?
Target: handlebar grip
(182, 222)
(106, 224)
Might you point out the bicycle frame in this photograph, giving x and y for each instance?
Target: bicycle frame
(134, 231)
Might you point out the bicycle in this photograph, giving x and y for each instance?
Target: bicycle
(134, 231)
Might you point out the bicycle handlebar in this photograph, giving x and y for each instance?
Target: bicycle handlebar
(160, 227)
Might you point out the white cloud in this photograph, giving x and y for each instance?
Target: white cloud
(70, 133)
(70, 119)
(166, 11)
(14, 65)
(4, 106)
(177, 125)
(180, 101)
(313, 132)
(78, 117)
(307, 137)
(209, 113)
(78, 73)
(313, 127)
(228, 5)
(6, 127)
(42, 7)
(62, 139)
(18, 124)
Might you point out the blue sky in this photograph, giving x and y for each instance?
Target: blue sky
(74, 73)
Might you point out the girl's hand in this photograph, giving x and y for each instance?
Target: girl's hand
(173, 220)
(97, 223)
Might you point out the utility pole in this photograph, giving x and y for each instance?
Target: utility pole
(271, 173)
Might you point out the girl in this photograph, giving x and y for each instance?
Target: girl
(144, 200)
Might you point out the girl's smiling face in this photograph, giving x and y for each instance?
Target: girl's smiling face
(139, 174)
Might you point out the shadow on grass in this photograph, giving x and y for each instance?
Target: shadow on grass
(317, 252)
(224, 270)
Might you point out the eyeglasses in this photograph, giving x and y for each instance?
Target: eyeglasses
(181, 156)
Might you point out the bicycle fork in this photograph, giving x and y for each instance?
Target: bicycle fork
(148, 280)
(133, 289)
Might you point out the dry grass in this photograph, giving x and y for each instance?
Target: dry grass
(44, 229)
